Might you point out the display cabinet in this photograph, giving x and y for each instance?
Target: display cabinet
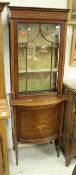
(38, 38)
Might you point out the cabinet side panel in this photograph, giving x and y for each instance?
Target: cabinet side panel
(66, 139)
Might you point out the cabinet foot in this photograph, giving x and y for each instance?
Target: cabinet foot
(15, 146)
(13, 140)
(50, 142)
(58, 150)
(16, 152)
(67, 162)
(57, 145)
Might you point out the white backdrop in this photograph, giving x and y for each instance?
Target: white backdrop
(40, 3)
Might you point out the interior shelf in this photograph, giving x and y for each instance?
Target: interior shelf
(40, 71)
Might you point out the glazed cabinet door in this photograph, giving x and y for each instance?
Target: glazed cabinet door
(36, 58)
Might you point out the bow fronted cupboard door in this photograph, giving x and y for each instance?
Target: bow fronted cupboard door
(38, 38)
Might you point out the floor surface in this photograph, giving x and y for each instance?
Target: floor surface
(39, 160)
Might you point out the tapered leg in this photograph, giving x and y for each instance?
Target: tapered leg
(57, 145)
(67, 161)
(50, 142)
(13, 140)
(16, 152)
(15, 146)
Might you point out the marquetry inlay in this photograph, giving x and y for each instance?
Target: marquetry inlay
(41, 124)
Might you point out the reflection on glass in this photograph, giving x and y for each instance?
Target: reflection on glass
(27, 32)
(53, 81)
(51, 32)
(38, 55)
(21, 59)
(22, 83)
(36, 81)
(55, 58)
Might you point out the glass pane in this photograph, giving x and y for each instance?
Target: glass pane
(22, 69)
(55, 56)
(54, 76)
(51, 32)
(39, 55)
(36, 81)
(21, 59)
(27, 32)
(22, 83)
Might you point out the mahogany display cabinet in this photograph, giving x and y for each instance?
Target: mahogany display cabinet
(38, 38)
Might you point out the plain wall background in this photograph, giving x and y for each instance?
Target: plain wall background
(69, 73)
